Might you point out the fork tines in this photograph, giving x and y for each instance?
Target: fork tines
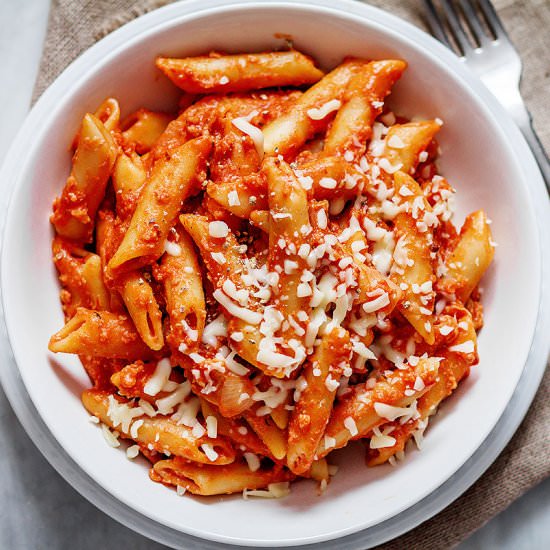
(464, 25)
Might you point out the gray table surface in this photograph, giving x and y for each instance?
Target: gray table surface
(38, 509)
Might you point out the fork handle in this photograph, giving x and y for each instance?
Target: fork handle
(538, 151)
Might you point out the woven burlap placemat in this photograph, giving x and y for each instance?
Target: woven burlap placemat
(74, 25)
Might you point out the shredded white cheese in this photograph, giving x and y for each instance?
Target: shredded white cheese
(324, 110)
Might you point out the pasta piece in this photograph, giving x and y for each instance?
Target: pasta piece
(102, 334)
(363, 102)
(143, 128)
(311, 112)
(159, 433)
(471, 256)
(289, 226)
(271, 435)
(185, 303)
(74, 211)
(80, 276)
(227, 265)
(310, 416)
(412, 268)
(238, 73)
(109, 114)
(215, 480)
(405, 142)
(355, 414)
(454, 367)
(129, 176)
(167, 187)
(332, 177)
(143, 308)
(235, 429)
(281, 416)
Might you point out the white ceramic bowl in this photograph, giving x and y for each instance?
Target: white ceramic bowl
(483, 155)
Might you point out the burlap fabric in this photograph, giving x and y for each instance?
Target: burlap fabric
(74, 25)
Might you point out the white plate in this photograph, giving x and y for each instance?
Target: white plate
(484, 156)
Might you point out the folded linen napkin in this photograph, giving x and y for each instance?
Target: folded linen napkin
(74, 25)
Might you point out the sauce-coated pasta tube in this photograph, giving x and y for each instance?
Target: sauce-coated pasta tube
(312, 411)
(143, 308)
(185, 303)
(226, 266)
(471, 256)
(355, 415)
(102, 334)
(412, 268)
(453, 368)
(405, 142)
(109, 114)
(129, 175)
(143, 128)
(311, 112)
(215, 480)
(238, 73)
(169, 184)
(161, 433)
(80, 275)
(271, 435)
(74, 211)
(363, 102)
(288, 230)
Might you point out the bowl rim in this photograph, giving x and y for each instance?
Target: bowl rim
(180, 9)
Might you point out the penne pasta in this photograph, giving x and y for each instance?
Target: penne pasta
(311, 112)
(160, 433)
(143, 308)
(405, 142)
(356, 414)
(143, 128)
(412, 268)
(185, 303)
(363, 102)
(215, 480)
(102, 334)
(311, 414)
(237, 73)
(167, 187)
(74, 211)
(471, 256)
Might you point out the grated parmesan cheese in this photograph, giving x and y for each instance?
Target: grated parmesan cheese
(233, 198)
(218, 229)
(255, 134)
(464, 347)
(274, 490)
(209, 451)
(172, 249)
(252, 461)
(132, 451)
(212, 427)
(159, 377)
(324, 110)
(351, 426)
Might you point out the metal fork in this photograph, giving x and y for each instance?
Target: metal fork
(473, 30)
